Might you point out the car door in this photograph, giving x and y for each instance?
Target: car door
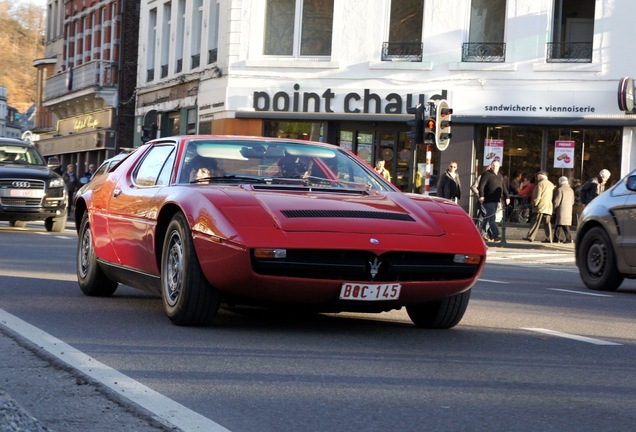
(134, 207)
(626, 215)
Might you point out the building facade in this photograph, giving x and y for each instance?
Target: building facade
(520, 77)
(85, 97)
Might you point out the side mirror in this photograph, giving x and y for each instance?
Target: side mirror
(631, 183)
(53, 162)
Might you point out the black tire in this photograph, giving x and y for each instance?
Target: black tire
(597, 261)
(188, 298)
(90, 277)
(442, 314)
(18, 224)
(55, 224)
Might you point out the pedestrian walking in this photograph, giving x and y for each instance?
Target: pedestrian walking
(542, 208)
(563, 205)
(491, 191)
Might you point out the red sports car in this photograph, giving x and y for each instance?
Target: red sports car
(206, 221)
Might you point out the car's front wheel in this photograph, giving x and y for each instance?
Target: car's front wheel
(442, 314)
(597, 261)
(188, 298)
(91, 278)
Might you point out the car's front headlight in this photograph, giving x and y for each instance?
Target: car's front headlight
(56, 183)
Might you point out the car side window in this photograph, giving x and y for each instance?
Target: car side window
(156, 166)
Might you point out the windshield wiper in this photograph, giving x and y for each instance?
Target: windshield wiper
(229, 177)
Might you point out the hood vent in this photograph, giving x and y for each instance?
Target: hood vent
(348, 214)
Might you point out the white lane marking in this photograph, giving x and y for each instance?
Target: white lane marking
(166, 410)
(570, 336)
(579, 292)
(493, 281)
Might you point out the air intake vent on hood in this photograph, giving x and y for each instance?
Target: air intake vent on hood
(350, 214)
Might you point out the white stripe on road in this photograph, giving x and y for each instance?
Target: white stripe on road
(570, 336)
(493, 281)
(579, 292)
(166, 410)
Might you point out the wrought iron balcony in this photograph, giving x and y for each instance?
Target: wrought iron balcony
(179, 66)
(150, 75)
(195, 61)
(484, 52)
(96, 73)
(569, 52)
(212, 55)
(409, 51)
(164, 71)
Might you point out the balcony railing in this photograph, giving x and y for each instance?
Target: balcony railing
(484, 52)
(195, 61)
(96, 73)
(569, 52)
(150, 75)
(408, 51)
(212, 56)
(164, 71)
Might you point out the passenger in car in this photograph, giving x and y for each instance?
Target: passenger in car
(203, 168)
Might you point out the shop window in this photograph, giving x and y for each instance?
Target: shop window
(192, 122)
(572, 32)
(298, 27)
(405, 31)
(310, 131)
(529, 149)
(486, 33)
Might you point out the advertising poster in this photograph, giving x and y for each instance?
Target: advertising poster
(493, 150)
(564, 154)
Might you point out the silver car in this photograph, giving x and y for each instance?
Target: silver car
(606, 237)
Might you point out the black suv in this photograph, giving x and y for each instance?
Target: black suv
(29, 189)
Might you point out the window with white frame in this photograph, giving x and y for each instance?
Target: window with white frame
(298, 27)
(572, 31)
(152, 40)
(195, 41)
(178, 49)
(213, 31)
(486, 34)
(165, 38)
(405, 31)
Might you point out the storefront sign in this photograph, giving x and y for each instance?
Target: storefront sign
(564, 154)
(85, 123)
(493, 150)
(327, 101)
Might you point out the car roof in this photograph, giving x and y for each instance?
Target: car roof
(17, 142)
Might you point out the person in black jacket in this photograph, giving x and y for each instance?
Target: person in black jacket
(449, 186)
(594, 187)
(491, 189)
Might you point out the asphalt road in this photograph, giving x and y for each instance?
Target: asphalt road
(535, 352)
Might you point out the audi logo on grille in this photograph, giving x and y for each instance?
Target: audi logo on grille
(21, 184)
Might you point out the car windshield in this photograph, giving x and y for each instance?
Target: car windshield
(275, 163)
(15, 154)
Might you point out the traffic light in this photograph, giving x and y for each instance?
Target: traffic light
(429, 130)
(416, 135)
(442, 124)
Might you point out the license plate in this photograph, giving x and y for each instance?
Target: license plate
(28, 193)
(369, 292)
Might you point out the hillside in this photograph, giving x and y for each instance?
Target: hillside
(22, 28)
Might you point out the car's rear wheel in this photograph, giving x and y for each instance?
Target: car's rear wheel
(188, 298)
(442, 314)
(597, 261)
(18, 224)
(55, 224)
(91, 278)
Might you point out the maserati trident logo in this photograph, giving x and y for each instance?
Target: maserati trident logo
(374, 267)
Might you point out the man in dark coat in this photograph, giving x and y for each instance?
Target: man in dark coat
(491, 189)
(449, 186)
(594, 187)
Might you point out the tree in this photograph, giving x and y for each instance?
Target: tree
(21, 42)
